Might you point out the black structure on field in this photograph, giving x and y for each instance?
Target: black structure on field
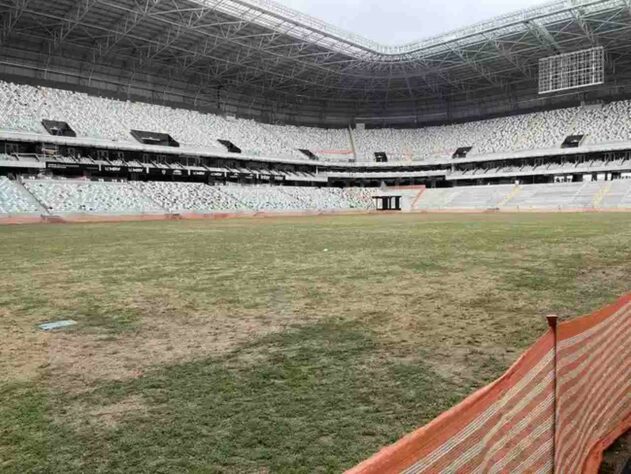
(387, 202)
(154, 138)
(59, 129)
(231, 147)
(573, 141)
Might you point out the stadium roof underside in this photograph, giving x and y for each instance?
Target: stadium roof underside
(257, 58)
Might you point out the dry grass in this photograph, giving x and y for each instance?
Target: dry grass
(242, 346)
(23, 351)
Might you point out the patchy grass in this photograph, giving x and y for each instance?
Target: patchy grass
(241, 346)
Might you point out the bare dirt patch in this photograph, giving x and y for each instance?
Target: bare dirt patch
(79, 360)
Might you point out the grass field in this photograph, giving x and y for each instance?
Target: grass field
(274, 345)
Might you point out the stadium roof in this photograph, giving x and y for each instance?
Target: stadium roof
(258, 58)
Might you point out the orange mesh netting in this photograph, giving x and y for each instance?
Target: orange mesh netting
(510, 425)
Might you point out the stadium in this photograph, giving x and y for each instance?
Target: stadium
(242, 239)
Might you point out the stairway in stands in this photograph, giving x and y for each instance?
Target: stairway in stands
(26, 193)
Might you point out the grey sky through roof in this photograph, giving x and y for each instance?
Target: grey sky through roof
(399, 21)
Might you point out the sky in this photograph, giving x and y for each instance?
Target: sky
(394, 22)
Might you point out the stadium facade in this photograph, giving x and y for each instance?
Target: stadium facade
(209, 92)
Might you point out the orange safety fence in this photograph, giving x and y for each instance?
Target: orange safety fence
(565, 400)
(593, 385)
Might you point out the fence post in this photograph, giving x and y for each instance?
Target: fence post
(552, 323)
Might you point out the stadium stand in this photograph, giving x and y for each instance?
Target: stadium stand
(540, 130)
(23, 107)
(604, 123)
(81, 196)
(586, 168)
(189, 197)
(333, 199)
(556, 196)
(355, 198)
(262, 198)
(13, 201)
(72, 196)
(294, 198)
(469, 197)
(326, 144)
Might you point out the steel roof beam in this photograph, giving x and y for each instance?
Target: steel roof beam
(125, 31)
(177, 31)
(72, 19)
(12, 18)
(121, 29)
(230, 35)
(513, 59)
(179, 42)
(366, 49)
(477, 67)
(585, 27)
(544, 36)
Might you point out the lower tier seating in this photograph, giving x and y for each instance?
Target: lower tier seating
(80, 196)
(14, 200)
(67, 196)
(61, 196)
(558, 196)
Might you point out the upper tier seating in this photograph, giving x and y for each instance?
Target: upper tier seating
(22, 108)
(604, 124)
(514, 133)
(585, 167)
(327, 144)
